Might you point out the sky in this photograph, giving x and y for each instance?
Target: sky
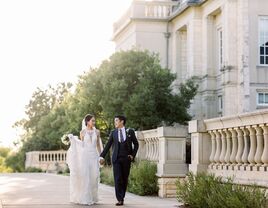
(46, 42)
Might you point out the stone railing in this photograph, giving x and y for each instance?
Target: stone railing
(48, 161)
(165, 146)
(149, 145)
(235, 146)
(141, 9)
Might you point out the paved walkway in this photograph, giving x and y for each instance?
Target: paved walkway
(42, 190)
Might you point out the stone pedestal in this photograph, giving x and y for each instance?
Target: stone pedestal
(167, 187)
(200, 146)
(172, 158)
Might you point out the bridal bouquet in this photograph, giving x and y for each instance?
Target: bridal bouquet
(65, 139)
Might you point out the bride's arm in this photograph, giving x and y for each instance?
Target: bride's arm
(99, 142)
(82, 134)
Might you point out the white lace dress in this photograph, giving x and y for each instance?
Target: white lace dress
(83, 162)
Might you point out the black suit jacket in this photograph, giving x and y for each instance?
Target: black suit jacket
(113, 140)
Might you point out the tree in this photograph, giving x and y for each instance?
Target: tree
(129, 82)
(135, 84)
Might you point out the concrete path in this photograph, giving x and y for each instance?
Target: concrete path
(43, 190)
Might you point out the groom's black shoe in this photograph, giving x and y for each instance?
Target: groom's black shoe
(119, 203)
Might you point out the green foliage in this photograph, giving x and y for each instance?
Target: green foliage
(33, 170)
(143, 179)
(3, 167)
(208, 191)
(15, 161)
(4, 151)
(135, 84)
(131, 82)
(106, 175)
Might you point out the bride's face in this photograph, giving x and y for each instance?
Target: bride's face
(91, 122)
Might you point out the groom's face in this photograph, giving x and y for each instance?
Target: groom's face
(118, 123)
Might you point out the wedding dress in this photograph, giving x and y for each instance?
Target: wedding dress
(83, 162)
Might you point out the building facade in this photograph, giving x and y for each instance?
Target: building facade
(222, 43)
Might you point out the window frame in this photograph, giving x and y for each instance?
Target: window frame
(265, 37)
(220, 62)
(265, 93)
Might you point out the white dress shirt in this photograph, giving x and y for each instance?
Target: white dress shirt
(124, 134)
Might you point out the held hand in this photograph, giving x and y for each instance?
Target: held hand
(102, 161)
(131, 157)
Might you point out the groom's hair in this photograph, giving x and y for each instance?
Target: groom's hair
(122, 118)
(88, 117)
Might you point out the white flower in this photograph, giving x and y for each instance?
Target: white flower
(65, 139)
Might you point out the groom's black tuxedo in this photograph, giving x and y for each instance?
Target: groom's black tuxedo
(120, 159)
(113, 140)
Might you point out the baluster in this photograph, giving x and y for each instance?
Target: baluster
(240, 146)
(157, 149)
(218, 147)
(213, 147)
(253, 146)
(259, 149)
(228, 146)
(153, 148)
(150, 148)
(264, 156)
(234, 146)
(223, 146)
(246, 146)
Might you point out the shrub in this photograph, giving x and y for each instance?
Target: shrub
(106, 175)
(33, 170)
(142, 179)
(209, 191)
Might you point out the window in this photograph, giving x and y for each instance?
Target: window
(220, 104)
(262, 98)
(263, 40)
(220, 49)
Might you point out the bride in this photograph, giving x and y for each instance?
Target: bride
(83, 162)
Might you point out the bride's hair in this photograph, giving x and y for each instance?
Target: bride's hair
(87, 118)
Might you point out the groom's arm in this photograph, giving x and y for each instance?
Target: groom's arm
(107, 146)
(135, 143)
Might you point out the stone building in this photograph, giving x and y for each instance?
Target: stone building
(223, 43)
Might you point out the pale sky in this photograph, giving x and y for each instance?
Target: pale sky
(46, 42)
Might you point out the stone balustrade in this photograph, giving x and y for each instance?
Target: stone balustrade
(237, 146)
(166, 146)
(149, 145)
(141, 9)
(48, 161)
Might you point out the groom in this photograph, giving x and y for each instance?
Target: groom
(123, 154)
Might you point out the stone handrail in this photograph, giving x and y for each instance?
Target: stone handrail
(141, 9)
(46, 160)
(237, 144)
(166, 146)
(149, 145)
